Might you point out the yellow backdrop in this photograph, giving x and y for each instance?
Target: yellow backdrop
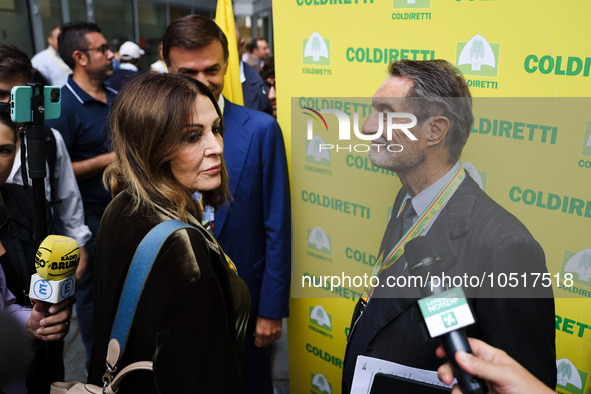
(535, 161)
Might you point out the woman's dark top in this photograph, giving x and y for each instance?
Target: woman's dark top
(191, 317)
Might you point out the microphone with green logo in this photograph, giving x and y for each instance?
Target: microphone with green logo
(445, 312)
(56, 261)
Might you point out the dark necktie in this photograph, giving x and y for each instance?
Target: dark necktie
(397, 227)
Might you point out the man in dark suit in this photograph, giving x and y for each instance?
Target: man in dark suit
(254, 89)
(255, 229)
(471, 233)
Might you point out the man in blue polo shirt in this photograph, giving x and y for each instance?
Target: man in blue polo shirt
(86, 102)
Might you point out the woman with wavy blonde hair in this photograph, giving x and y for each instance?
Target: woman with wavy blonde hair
(166, 132)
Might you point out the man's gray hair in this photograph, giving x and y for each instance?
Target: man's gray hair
(439, 88)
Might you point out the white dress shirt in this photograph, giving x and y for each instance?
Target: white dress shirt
(49, 63)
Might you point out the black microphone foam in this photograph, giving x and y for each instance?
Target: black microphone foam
(418, 249)
(422, 258)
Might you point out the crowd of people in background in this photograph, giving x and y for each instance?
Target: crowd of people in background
(83, 143)
(134, 148)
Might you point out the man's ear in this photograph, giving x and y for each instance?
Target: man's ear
(226, 67)
(437, 129)
(80, 57)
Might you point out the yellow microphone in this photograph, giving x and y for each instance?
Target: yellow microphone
(56, 261)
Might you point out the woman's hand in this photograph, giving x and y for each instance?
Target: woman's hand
(503, 375)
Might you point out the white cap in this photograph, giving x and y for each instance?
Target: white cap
(130, 50)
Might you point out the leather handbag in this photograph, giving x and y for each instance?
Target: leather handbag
(140, 268)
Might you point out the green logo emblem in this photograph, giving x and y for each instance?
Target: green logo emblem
(317, 50)
(587, 142)
(318, 240)
(320, 384)
(449, 320)
(478, 57)
(579, 264)
(320, 318)
(569, 377)
(316, 155)
(412, 3)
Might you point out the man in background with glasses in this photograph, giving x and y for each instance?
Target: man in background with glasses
(86, 102)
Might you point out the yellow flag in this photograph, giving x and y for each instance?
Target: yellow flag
(224, 17)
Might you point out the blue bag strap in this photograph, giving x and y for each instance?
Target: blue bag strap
(140, 268)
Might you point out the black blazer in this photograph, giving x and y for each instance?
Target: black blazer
(473, 235)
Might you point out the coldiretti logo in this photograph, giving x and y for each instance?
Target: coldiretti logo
(554, 202)
(332, 2)
(324, 355)
(569, 377)
(318, 240)
(363, 163)
(316, 155)
(317, 50)
(319, 245)
(579, 264)
(571, 327)
(587, 141)
(320, 318)
(320, 384)
(478, 57)
(559, 65)
(412, 3)
(518, 131)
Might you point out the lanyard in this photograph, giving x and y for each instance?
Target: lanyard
(434, 207)
(60, 62)
(229, 261)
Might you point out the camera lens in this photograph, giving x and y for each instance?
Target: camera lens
(55, 95)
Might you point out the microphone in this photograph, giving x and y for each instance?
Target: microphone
(56, 261)
(445, 312)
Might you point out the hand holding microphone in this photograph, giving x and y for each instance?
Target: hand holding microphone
(56, 261)
(445, 312)
(503, 374)
(49, 328)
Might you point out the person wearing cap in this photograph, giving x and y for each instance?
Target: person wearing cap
(130, 53)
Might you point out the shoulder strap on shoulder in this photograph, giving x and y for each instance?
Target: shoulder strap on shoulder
(140, 268)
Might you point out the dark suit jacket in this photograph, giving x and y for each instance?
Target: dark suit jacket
(255, 91)
(472, 234)
(255, 229)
